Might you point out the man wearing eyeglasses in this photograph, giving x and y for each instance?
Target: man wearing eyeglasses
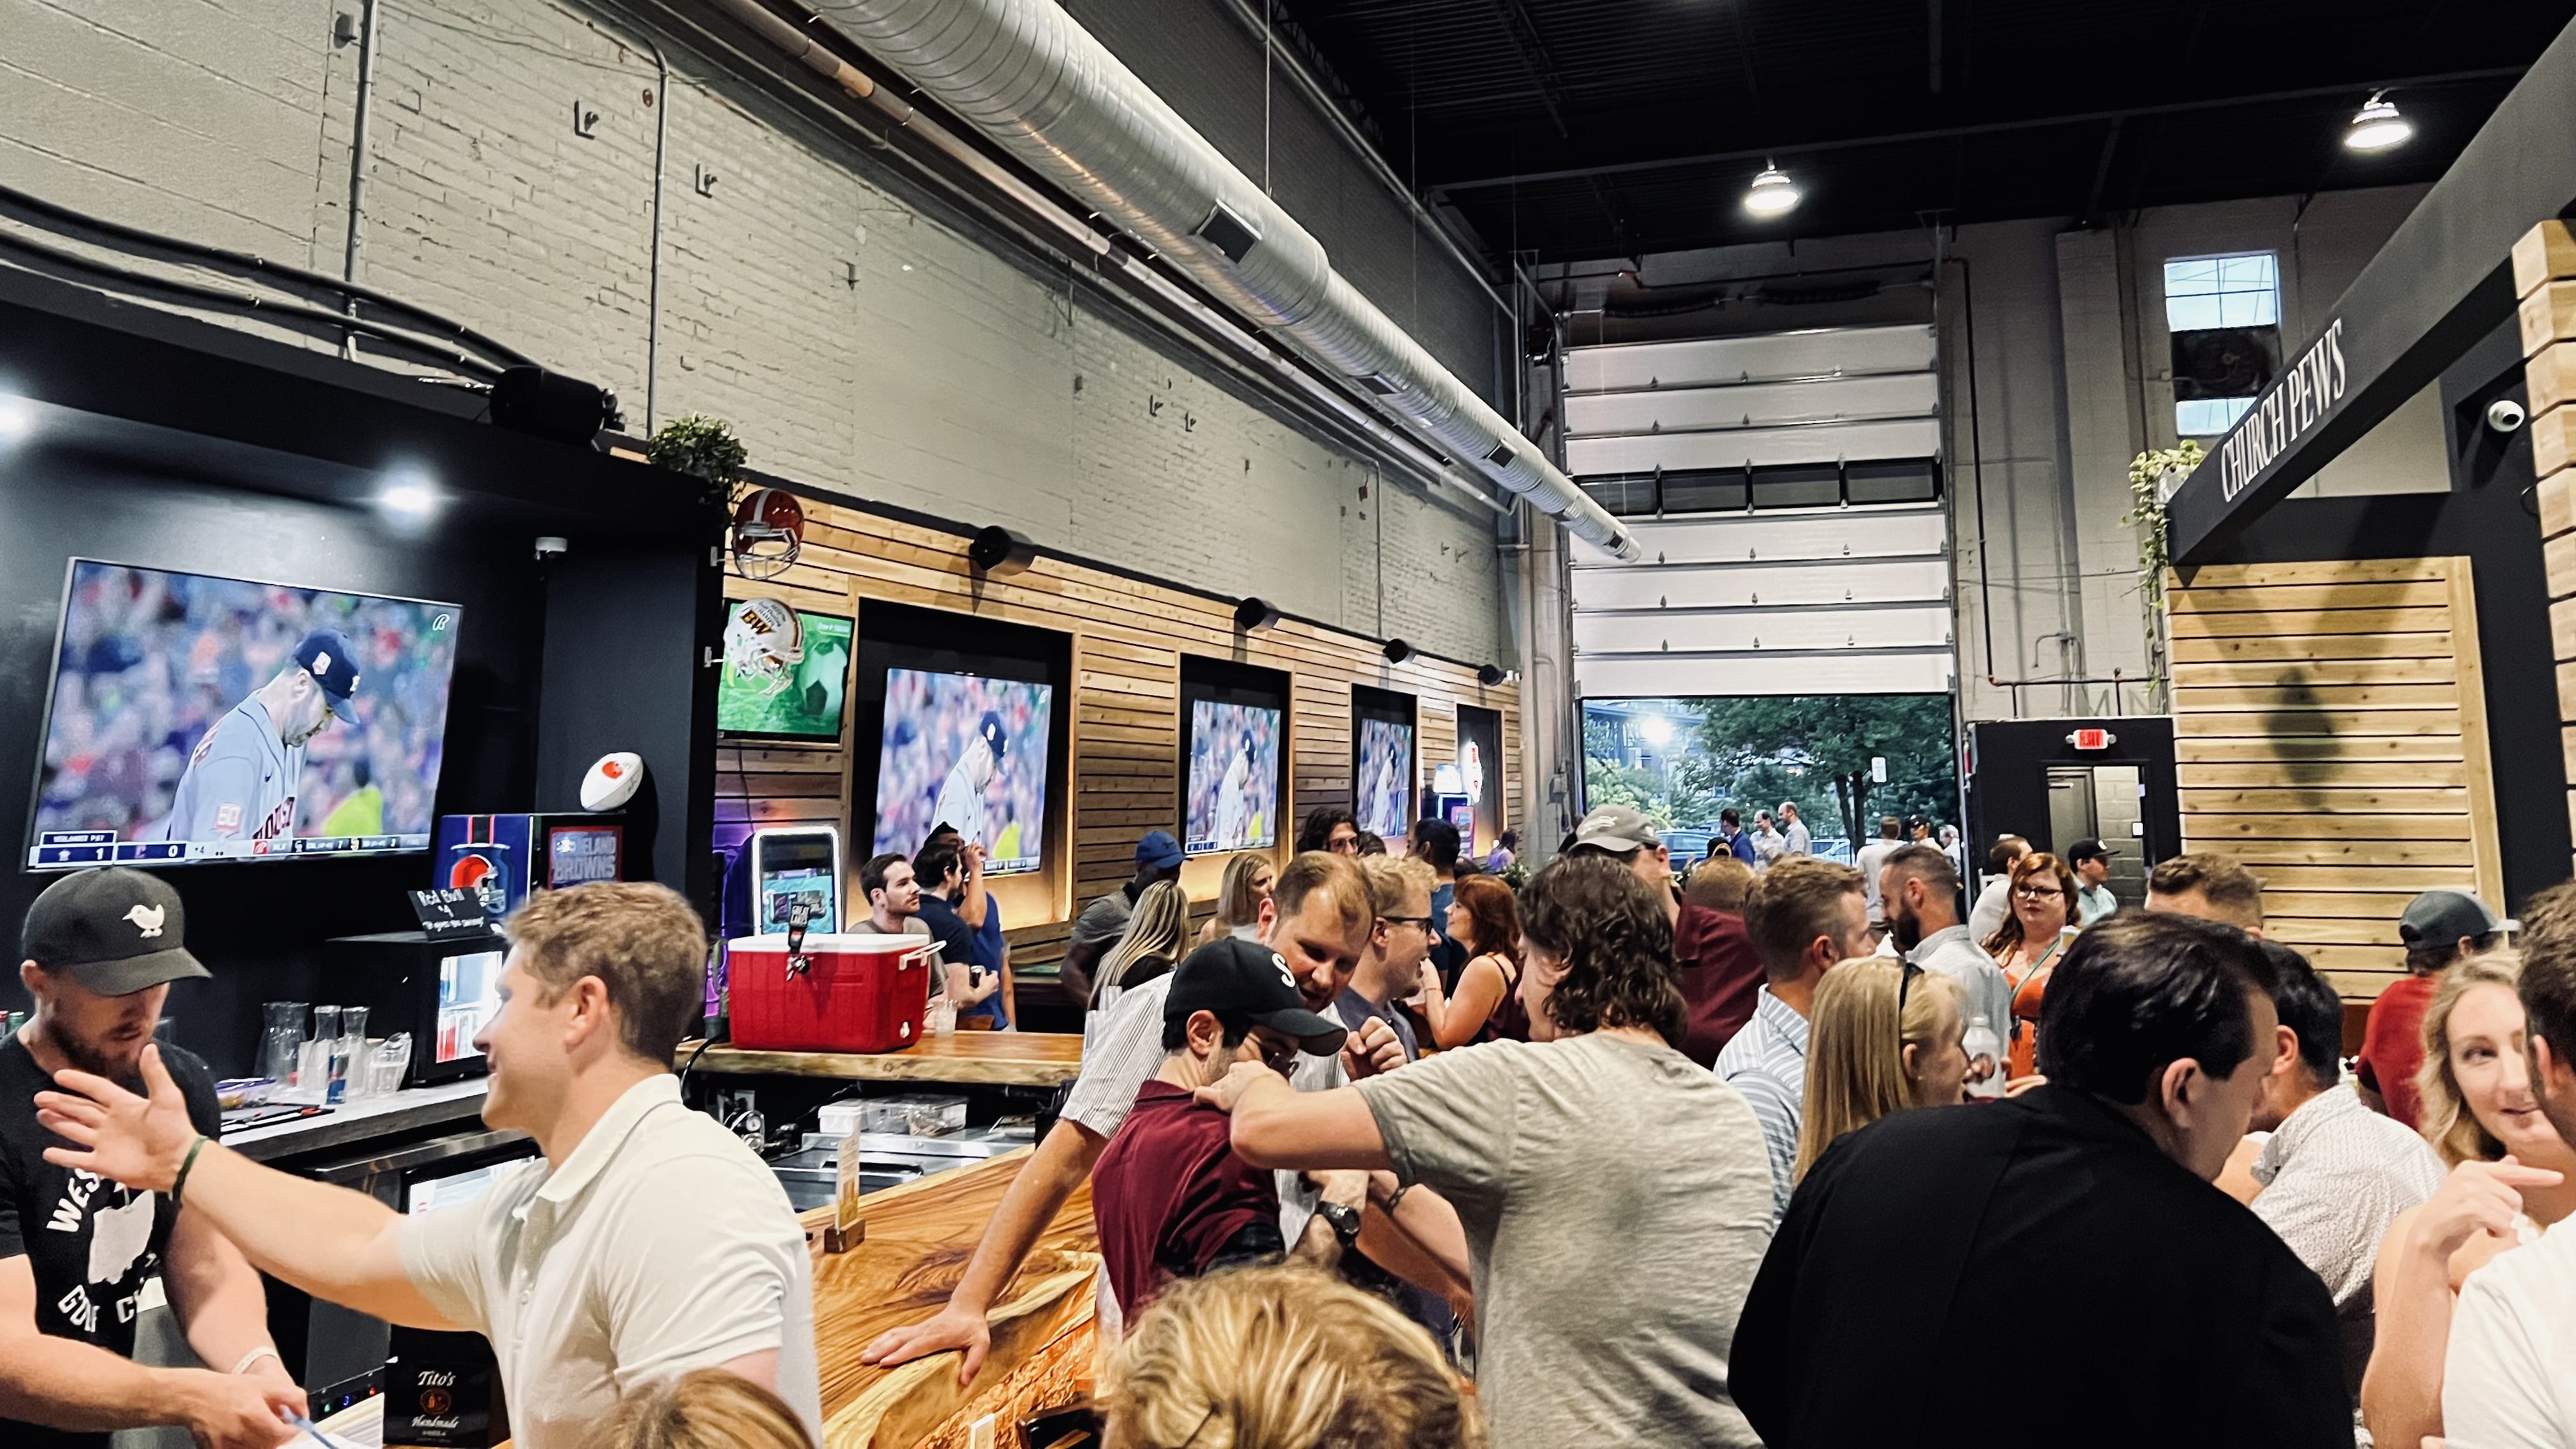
(1169, 1197)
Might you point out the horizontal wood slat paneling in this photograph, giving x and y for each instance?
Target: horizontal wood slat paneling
(1128, 639)
(2331, 735)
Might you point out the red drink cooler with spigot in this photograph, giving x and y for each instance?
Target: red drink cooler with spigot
(844, 992)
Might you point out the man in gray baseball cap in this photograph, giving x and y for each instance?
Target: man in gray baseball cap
(100, 950)
(1719, 971)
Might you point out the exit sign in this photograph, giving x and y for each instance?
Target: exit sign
(2092, 739)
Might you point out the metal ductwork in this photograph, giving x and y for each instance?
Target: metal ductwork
(1038, 84)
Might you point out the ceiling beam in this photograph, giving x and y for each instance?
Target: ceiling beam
(1542, 67)
(1985, 128)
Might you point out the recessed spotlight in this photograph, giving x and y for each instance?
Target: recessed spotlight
(2377, 127)
(409, 500)
(1772, 193)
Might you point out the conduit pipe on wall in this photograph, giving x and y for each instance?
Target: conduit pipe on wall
(1041, 87)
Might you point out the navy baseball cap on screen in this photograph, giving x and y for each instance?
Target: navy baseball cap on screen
(326, 655)
(114, 930)
(1159, 850)
(1234, 977)
(990, 731)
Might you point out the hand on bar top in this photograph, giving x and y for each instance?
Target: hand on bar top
(222, 1411)
(138, 1141)
(949, 1329)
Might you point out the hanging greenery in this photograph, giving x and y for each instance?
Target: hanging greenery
(2147, 514)
(703, 446)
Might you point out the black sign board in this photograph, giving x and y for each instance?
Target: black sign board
(449, 911)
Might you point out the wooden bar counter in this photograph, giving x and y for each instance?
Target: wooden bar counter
(918, 1238)
(970, 1058)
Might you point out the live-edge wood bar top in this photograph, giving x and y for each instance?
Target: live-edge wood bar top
(918, 1238)
(971, 1058)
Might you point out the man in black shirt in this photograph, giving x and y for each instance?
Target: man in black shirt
(940, 869)
(2060, 1260)
(101, 949)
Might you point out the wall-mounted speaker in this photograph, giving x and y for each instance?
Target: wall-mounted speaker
(1254, 614)
(1490, 675)
(1397, 651)
(997, 550)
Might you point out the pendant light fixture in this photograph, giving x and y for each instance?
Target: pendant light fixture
(2377, 127)
(1772, 192)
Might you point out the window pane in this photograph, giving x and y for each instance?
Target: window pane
(2209, 416)
(2243, 290)
(2191, 275)
(2192, 314)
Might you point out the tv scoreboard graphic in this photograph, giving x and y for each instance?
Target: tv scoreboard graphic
(64, 849)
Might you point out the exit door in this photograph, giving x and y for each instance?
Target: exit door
(2105, 802)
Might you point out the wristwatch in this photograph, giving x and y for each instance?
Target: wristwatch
(1344, 1219)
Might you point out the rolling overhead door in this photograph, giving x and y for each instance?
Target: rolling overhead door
(1787, 492)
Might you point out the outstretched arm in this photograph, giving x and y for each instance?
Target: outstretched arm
(333, 1243)
(1277, 1126)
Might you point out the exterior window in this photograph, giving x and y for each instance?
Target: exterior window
(2225, 316)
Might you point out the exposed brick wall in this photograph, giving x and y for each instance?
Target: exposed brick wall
(861, 336)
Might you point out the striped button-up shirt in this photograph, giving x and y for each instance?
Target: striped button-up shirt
(1766, 1063)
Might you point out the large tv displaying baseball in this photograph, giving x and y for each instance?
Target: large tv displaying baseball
(192, 717)
(969, 751)
(1234, 778)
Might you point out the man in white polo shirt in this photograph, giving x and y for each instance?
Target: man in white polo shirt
(646, 1242)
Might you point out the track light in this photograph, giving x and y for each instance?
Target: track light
(1397, 651)
(1772, 193)
(1254, 614)
(2377, 127)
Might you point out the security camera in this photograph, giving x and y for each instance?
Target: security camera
(549, 546)
(2505, 415)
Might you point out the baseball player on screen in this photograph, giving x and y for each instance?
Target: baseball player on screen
(241, 779)
(961, 796)
(1233, 823)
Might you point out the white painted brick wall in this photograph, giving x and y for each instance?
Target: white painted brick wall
(862, 339)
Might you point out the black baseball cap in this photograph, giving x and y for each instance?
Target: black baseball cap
(1235, 977)
(327, 656)
(2088, 849)
(114, 930)
(2442, 918)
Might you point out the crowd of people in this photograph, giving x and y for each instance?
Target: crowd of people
(1627, 1158)
(1390, 1153)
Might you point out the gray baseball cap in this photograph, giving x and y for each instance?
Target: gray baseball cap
(1617, 829)
(114, 930)
(2442, 917)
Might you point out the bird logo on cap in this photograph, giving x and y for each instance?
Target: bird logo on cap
(147, 920)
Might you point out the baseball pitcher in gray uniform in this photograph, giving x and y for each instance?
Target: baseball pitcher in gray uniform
(242, 777)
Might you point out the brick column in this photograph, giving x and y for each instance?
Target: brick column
(2544, 277)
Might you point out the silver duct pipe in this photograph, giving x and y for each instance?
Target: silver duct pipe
(1038, 84)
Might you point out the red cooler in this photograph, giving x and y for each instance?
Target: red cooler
(852, 992)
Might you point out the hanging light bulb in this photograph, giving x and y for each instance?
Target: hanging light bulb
(2377, 127)
(1772, 193)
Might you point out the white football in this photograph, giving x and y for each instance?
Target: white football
(612, 782)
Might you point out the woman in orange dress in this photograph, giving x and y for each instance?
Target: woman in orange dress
(2028, 943)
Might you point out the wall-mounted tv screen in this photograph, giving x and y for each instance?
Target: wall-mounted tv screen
(967, 751)
(1234, 777)
(1383, 790)
(194, 718)
(799, 701)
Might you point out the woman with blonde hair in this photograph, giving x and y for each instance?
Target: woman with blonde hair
(1158, 934)
(708, 1408)
(1249, 875)
(1281, 1357)
(1882, 1036)
(2040, 901)
(2511, 1175)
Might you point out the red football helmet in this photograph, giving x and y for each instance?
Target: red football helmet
(768, 532)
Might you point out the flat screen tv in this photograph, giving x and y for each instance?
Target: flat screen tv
(968, 751)
(805, 702)
(196, 718)
(1234, 778)
(1383, 793)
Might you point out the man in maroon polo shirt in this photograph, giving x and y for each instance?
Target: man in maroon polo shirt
(1719, 971)
(1168, 1196)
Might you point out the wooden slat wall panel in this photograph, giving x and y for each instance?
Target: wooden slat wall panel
(2544, 266)
(2330, 733)
(1128, 640)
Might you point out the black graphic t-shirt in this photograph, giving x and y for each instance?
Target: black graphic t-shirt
(91, 1242)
